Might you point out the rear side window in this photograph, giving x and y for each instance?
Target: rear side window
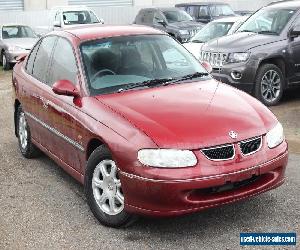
(31, 59)
(43, 57)
(145, 16)
(64, 64)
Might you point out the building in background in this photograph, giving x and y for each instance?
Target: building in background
(33, 12)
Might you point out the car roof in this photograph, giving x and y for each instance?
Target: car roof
(161, 8)
(70, 8)
(96, 31)
(202, 3)
(230, 19)
(285, 5)
(13, 24)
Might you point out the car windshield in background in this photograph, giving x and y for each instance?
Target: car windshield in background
(120, 63)
(211, 31)
(79, 17)
(267, 21)
(221, 10)
(177, 16)
(16, 31)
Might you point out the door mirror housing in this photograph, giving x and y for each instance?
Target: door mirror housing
(57, 24)
(162, 22)
(65, 87)
(295, 31)
(207, 66)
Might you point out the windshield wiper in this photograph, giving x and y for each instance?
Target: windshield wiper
(148, 83)
(250, 31)
(268, 32)
(197, 41)
(186, 77)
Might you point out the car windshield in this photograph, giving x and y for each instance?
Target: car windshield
(118, 63)
(79, 17)
(16, 31)
(211, 31)
(177, 16)
(221, 10)
(268, 21)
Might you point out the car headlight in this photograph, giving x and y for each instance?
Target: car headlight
(183, 32)
(14, 48)
(238, 57)
(167, 158)
(275, 136)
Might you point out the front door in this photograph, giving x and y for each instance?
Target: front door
(294, 52)
(64, 111)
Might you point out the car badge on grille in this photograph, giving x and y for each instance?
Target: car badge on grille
(233, 134)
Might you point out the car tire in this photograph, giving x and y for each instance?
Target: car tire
(103, 190)
(269, 84)
(27, 148)
(5, 64)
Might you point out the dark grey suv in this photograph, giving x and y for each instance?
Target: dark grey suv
(263, 57)
(173, 21)
(206, 12)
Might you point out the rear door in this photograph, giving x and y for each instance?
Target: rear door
(33, 91)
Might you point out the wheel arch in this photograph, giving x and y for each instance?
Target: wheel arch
(277, 61)
(92, 145)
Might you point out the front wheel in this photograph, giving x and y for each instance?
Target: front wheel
(104, 190)
(5, 63)
(269, 84)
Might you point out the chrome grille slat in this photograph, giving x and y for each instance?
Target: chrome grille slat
(215, 59)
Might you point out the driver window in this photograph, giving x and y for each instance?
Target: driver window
(64, 64)
(203, 11)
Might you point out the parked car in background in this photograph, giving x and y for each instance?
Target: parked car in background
(15, 40)
(145, 132)
(173, 21)
(263, 56)
(206, 12)
(215, 29)
(63, 17)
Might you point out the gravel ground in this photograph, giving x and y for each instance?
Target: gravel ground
(41, 207)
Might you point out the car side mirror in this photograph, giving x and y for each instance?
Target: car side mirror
(57, 24)
(162, 22)
(295, 31)
(207, 66)
(65, 87)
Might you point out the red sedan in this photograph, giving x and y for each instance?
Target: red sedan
(133, 116)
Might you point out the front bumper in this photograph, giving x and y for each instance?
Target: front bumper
(160, 197)
(246, 72)
(12, 56)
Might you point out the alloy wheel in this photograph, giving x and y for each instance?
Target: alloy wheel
(23, 134)
(107, 189)
(271, 85)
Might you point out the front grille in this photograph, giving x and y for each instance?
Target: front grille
(250, 146)
(219, 153)
(215, 59)
(193, 32)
